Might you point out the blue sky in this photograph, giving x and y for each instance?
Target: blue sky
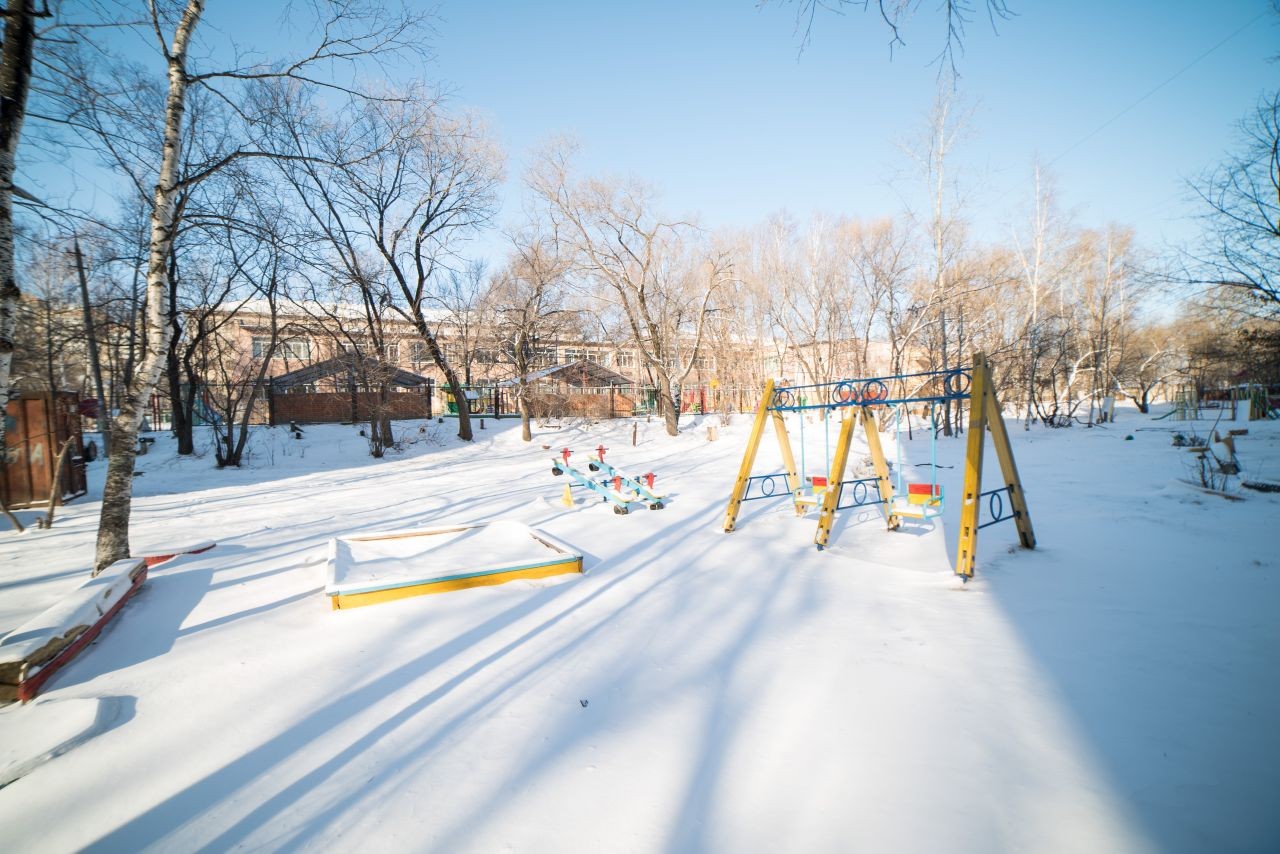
(713, 103)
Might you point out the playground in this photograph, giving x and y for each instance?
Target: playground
(691, 689)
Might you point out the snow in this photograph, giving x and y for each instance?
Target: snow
(32, 734)
(76, 611)
(1114, 690)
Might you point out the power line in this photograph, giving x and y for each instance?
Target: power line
(1166, 82)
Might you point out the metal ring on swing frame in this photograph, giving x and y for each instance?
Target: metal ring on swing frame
(783, 399)
(949, 385)
(767, 486)
(995, 504)
(859, 493)
(844, 392)
(874, 391)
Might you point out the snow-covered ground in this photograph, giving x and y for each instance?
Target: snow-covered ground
(1115, 690)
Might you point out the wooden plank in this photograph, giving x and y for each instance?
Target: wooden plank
(340, 601)
(1009, 468)
(883, 482)
(967, 545)
(748, 458)
(831, 497)
(29, 688)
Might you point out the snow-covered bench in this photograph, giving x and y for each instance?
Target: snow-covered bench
(34, 651)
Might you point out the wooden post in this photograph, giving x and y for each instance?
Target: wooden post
(271, 402)
(351, 389)
(748, 457)
(881, 465)
(969, 504)
(1008, 468)
(831, 497)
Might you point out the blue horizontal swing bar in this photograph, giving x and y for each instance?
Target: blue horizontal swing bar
(862, 494)
(869, 391)
(996, 506)
(768, 486)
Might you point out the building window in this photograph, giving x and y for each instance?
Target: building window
(296, 348)
(418, 353)
(486, 356)
(391, 352)
(573, 354)
(544, 356)
(624, 360)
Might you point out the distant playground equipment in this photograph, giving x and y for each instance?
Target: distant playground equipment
(1191, 404)
(203, 410)
(855, 400)
(616, 488)
(371, 568)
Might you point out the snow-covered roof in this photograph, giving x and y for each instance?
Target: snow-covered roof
(322, 310)
(582, 373)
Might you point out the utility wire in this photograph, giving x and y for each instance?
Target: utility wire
(1169, 80)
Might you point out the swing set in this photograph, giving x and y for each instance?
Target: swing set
(855, 400)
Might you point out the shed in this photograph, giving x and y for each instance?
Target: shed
(37, 426)
(291, 400)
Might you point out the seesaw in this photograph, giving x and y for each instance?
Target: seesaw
(610, 489)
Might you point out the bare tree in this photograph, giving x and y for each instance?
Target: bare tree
(1242, 216)
(894, 13)
(394, 215)
(1039, 254)
(809, 302)
(465, 313)
(528, 298)
(348, 32)
(948, 123)
(655, 273)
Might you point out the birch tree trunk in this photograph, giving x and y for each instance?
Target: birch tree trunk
(15, 82)
(117, 493)
(95, 361)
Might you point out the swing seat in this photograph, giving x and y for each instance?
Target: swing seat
(812, 496)
(922, 501)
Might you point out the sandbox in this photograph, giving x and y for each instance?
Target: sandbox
(372, 568)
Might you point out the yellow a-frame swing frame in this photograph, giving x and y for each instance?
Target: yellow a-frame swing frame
(857, 398)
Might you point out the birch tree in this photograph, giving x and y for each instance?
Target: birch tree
(1038, 253)
(348, 31)
(16, 57)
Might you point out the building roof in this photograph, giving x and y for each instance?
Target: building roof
(322, 311)
(581, 373)
(342, 365)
